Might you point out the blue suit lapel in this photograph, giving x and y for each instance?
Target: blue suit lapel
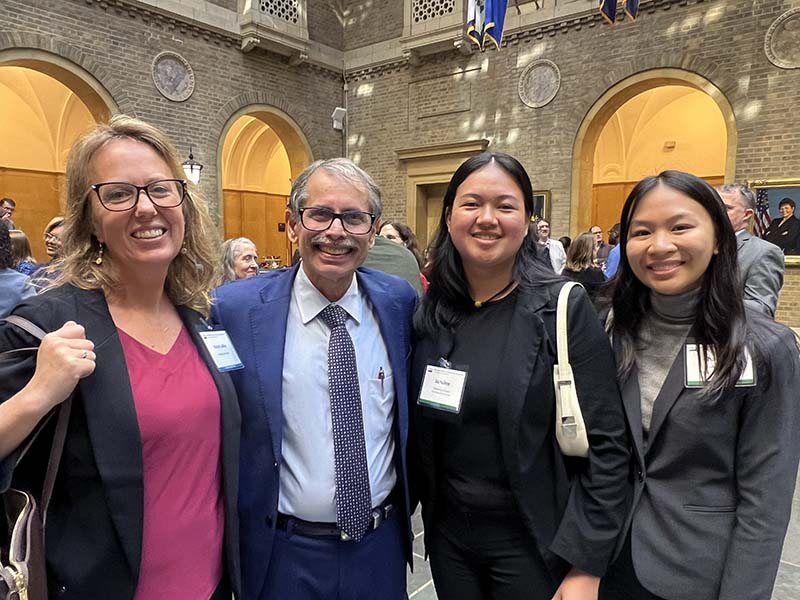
(387, 308)
(268, 325)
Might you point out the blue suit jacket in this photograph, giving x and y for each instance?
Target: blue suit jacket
(254, 313)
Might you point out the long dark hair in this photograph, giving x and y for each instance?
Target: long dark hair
(720, 320)
(409, 239)
(448, 300)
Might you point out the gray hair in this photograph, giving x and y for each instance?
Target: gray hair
(341, 168)
(745, 193)
(230, 250)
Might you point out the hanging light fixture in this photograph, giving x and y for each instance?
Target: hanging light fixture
(192, 168)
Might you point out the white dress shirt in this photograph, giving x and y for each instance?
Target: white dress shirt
(307, 478)
(558, 257)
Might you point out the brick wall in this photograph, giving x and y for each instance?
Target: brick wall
(325, 24)
(721, 40)
(789, 300)
(371, 21)
(118, 49)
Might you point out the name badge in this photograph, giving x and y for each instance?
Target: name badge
(698, 371)
(221, 349)
(443, 389)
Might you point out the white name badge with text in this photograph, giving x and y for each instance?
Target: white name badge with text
(221, 349)
(698, 371)
(443, 389)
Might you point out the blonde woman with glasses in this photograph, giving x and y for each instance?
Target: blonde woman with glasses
(144, 505)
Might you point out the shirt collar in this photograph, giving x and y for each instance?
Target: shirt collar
(311, 301)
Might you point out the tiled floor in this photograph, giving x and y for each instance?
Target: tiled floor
(787, 585)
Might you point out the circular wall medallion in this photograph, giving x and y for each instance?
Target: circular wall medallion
(173, 76)
(539, 83)
(782, 42)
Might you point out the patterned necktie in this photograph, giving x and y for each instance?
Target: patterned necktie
(353, 498)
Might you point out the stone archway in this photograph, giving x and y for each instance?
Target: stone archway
(49, 101)
(608, 103)
(258, 213)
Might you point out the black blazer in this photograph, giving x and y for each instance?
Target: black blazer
(94, 524)
(785, 235)
(571, 525)
(713, 491)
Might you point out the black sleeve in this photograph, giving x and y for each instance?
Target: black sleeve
(600, 496)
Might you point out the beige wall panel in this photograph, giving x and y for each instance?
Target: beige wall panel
(38, 196)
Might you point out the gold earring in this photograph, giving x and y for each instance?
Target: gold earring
(99, 259)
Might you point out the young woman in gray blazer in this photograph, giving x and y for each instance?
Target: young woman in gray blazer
(715, 447)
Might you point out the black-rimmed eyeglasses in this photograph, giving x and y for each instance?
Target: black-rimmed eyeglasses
(119, 196)
(320, 219)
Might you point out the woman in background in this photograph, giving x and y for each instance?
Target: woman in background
(53, 237)
(239, 259)
(14, 286)
(401, 233)
(21, 250)
(580, 266)
(716, 447)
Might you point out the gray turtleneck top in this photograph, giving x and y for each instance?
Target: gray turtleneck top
(661, 336)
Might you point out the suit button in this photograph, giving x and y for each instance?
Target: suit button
(62, 589)
(269, 520)
(275, 464)
(639, 475)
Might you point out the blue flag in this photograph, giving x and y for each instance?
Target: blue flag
(495, 16)
(608, 8)
(475, 20)
(632, 8)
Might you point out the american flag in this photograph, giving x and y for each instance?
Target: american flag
(763, 219)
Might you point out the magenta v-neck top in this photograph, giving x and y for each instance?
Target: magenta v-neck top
(178, 409)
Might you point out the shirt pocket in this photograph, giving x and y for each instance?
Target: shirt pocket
(379, 407)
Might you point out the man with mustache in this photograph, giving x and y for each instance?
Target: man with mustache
(324, 504)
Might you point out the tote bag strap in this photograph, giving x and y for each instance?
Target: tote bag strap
(60, 435)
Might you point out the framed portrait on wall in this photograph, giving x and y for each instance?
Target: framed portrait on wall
(769, 193)
(541, 206)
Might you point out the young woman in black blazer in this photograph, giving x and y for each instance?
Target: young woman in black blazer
(506, 515)
(716, 449)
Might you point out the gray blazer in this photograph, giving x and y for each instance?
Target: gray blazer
(713, 486)
(761, 271)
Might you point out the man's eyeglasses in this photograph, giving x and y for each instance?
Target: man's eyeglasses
(320, 219)
(118, 196)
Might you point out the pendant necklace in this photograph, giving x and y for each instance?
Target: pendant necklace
(481, 303)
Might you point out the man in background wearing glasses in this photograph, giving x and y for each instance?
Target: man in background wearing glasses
(323, 502)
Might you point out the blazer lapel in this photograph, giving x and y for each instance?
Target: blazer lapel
(670, 391)
(523, 344)
(632, 401)
(268, 326)
(231, 428)
(113, 426)
(394, 337)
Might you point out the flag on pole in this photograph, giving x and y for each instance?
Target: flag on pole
(632, 9)
(762, 218)
(475, 18)
(608, 8)
(495, 16)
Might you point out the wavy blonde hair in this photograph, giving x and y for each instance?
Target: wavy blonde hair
(190, 275)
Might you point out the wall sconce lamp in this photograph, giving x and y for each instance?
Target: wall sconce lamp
(192, 168)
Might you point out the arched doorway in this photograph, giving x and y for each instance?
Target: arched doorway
(47, 103)
(651, 121)
(261, 152)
